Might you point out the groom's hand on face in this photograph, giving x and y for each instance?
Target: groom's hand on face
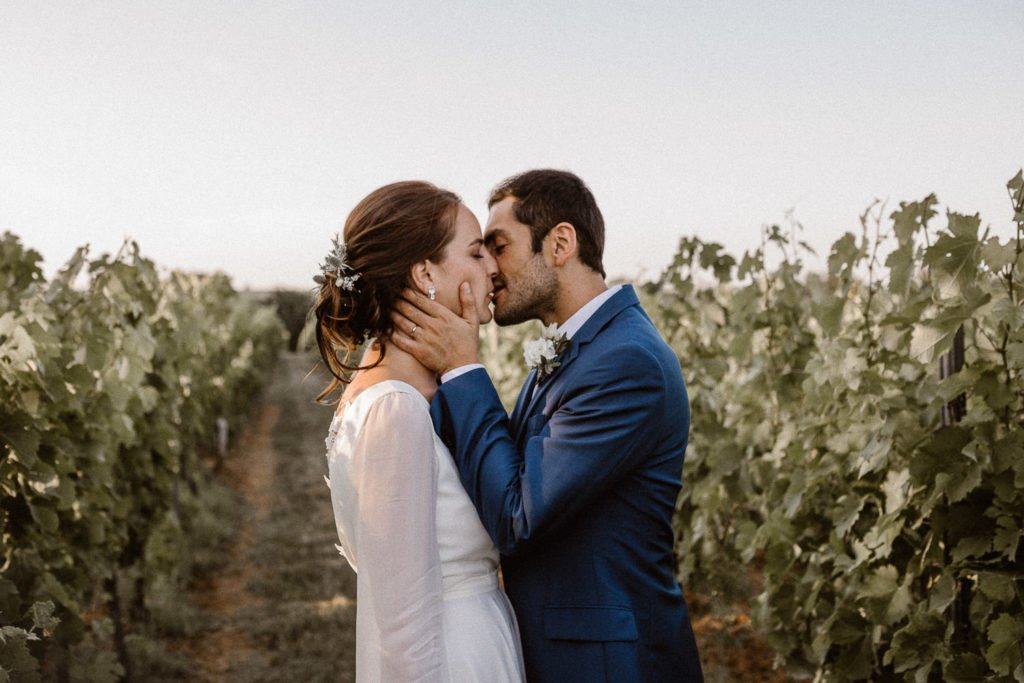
(436, 336)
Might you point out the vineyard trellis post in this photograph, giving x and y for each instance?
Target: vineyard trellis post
(950, 363)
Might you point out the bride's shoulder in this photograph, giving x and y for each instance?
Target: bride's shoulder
(389, 410)
(390, 393)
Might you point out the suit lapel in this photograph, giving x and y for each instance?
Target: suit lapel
(622, 299)
(524, 397)
(564, 359)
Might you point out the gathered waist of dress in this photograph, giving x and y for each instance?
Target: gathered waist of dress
(461, 585)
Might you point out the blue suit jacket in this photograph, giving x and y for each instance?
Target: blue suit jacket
(577, 489)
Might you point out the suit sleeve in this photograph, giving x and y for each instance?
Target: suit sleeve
(591, 439)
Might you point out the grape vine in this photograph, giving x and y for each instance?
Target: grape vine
(110, 391)
(889, 543)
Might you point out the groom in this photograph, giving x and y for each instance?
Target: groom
(577, 487)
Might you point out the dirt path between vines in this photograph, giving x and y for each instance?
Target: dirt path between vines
(249, 469)
(282, 608)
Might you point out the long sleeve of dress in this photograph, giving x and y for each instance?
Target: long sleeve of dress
(399, 562)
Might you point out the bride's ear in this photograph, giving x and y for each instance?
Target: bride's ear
(421, 279)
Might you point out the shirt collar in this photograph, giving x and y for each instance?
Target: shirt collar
(577, 319)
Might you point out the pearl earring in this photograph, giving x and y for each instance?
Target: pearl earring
(431, 292)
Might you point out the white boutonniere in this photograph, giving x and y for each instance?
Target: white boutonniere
(540, 354)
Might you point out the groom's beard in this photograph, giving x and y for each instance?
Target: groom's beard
(530, 294)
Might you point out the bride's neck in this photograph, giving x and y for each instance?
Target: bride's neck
(398, 364)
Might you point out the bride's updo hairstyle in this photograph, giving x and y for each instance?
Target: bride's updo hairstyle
(389, 231)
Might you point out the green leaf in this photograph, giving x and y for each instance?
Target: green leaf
(721, 264)
(846, 626)
(934, 456)
(918, 645)
(844, 254)
(1006, 635)
(965, 667)
(16, 657)
(18, 349)
(1015, 354)
(942, 593)
(45, 516)
(874, 456)
(934, 337)
(900, 263)
(891, 599)
(1004, 311)
(997, 255)
(883, 583)
(752, 262)
(846, 512)
(1007, 537)
(992, 387)
(1016, 183)
(1016, 188)
(67, 275)
(954, 256)
(971, 546)
(899, 604)
(830, 313)
(23, 441)
(1006, 451)
(911, 217)
(896, 488)
(794, 493)
(998, 587)
(969, 479)
(856, 662)
(42, 616)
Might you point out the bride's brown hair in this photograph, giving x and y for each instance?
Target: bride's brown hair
(390, 230)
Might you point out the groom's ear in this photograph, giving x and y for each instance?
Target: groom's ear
(421, 280)
(562, 241)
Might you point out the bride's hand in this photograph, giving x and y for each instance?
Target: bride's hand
(436, 336)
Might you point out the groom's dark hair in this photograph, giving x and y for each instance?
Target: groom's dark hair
(545, 198)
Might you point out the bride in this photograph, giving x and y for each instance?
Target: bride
(429, 606)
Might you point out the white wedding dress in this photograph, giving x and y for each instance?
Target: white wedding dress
(428, 603)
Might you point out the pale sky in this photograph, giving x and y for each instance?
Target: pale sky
(236, 136)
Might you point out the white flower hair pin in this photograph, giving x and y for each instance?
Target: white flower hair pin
(540, 354)
(337, 264)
